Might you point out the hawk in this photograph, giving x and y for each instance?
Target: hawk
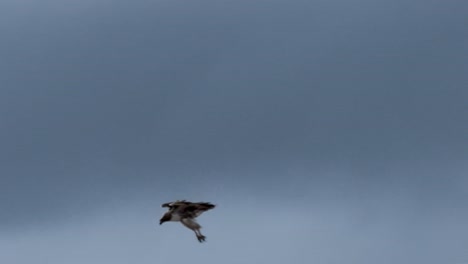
(185, 212)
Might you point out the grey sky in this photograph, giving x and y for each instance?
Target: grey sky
(326, 131)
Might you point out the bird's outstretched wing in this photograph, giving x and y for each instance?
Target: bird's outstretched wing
(188, 209)
(174, 204)
(193, 210)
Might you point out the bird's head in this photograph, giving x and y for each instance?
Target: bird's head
(166, 217)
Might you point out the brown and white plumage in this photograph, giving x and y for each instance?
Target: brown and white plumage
(185, 212)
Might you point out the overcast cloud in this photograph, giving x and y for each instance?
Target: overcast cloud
(325, 131)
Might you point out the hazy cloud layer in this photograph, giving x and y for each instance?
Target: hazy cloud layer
(350, 116)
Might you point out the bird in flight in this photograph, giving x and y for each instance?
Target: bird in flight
(185, 212)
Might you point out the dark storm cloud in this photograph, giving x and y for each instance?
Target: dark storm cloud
(362, 101)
